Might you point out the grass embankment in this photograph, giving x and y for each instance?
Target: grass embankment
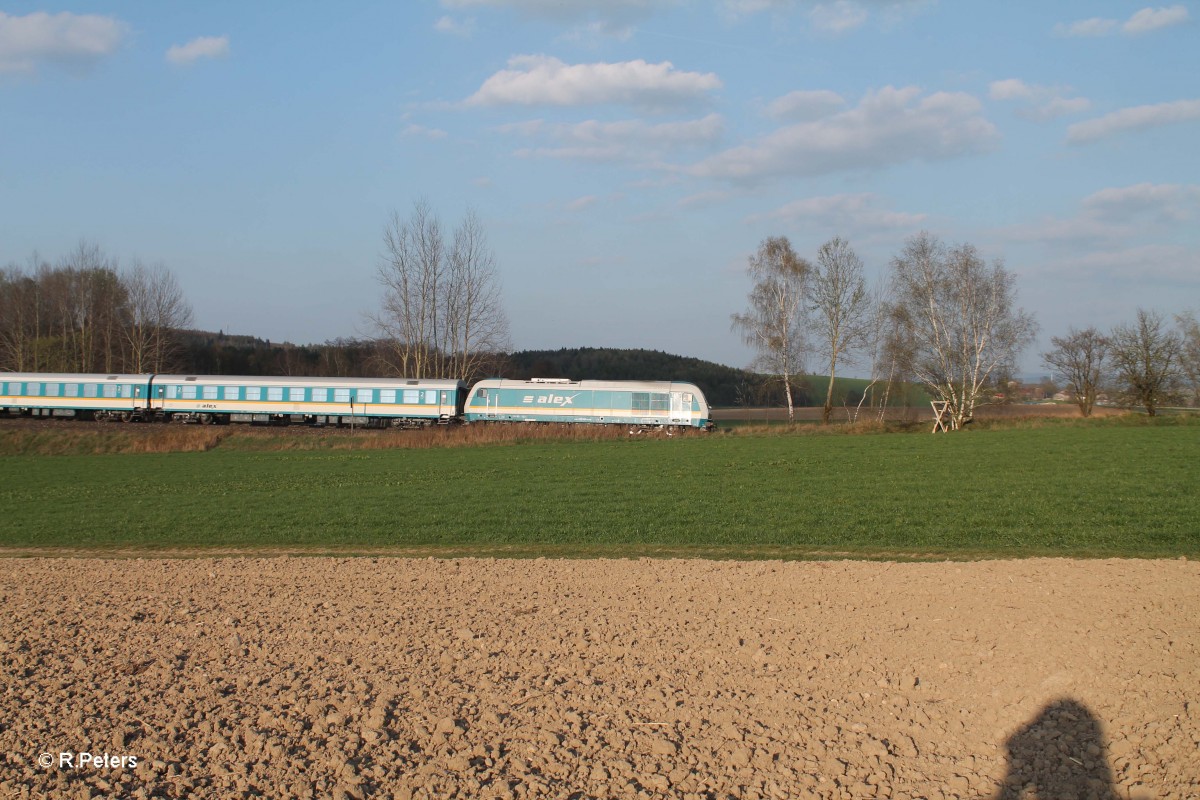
(1075, 491)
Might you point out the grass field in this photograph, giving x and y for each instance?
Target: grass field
(1068, 490)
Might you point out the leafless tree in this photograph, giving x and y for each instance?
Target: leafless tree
(1189, 332)
(840, 302)
(1080, 360)
(955, 321)
(476, 326)
(441, 311)
(776, 320)
(155, 311)
(1146, 356)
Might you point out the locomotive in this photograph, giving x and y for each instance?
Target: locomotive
(365, 402)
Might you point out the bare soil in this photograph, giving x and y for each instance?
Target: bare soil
(398, 678)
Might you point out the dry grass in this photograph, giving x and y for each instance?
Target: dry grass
(28, 437)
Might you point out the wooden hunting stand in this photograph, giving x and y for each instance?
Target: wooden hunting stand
(940, 421)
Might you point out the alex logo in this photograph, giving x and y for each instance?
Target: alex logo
(560, 400)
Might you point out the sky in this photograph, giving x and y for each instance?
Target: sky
(625, 157)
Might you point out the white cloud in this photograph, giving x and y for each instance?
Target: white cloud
(1117, 214)
(543, 80)
(198, 48)
(844, 212)
(1151, 19)
(580, 203)
(1040, 102)
(66, 39)
(838, 17)
(1143, 21)
(890, 126)
(1159, 263)
(455, 27)
(627, 140)
(1135, 118)
(1164, 202)
(805, 105)
(608, 17)
(423, 132)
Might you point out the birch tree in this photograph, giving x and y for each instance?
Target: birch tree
(1080, 360)
(442, 312)
(840, 305)
(775, 322)
(155, 311)
(956, 320)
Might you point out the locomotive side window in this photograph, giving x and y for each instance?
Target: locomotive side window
(481, 394)
(641, 401)
(660, 402)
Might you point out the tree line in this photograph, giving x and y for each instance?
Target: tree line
(944, 318)
(87, 314)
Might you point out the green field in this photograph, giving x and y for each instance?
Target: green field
(1077, 491)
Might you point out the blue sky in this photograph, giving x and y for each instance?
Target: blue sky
(624, 156)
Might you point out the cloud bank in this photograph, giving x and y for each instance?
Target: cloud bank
(65, 39)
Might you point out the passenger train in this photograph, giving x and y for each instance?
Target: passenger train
(367, 402)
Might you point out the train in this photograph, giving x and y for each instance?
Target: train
(364, 402)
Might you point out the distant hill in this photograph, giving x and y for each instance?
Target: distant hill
(208, 353)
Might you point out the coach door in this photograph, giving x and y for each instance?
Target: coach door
(681, 408)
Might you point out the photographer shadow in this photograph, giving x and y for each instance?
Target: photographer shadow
(1060, 754)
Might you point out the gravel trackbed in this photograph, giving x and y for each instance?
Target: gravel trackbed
(317, 677)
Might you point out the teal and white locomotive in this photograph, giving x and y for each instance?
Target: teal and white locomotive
(633, 403)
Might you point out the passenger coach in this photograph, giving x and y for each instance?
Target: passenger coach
(635, 403)
(376, 402)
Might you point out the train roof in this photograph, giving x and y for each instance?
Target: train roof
(261, 380)
(552, 383)
(74, 377)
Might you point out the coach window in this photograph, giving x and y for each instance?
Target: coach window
(254, 393)
(296, 394)
(33, 389)
(110, 390)
(231, 393)
(387, 395)
(210, 392)
(431, 397)
(341, 395)
(72, 390)
(412, 396)
(364, 396)
(320, 395)
(52, 390)
(91, 390)
(189, 392)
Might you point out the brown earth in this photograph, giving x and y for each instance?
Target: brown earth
(397, 678)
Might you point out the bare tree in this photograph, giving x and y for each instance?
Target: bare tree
(441, 311)
(1080, 360)
(776, 320)
(838, 296)
(955, 321)
(476, 325)
(155, 311)
(1189, 332)
(1147, 359)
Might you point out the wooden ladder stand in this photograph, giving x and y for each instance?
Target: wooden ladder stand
(940, 421)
